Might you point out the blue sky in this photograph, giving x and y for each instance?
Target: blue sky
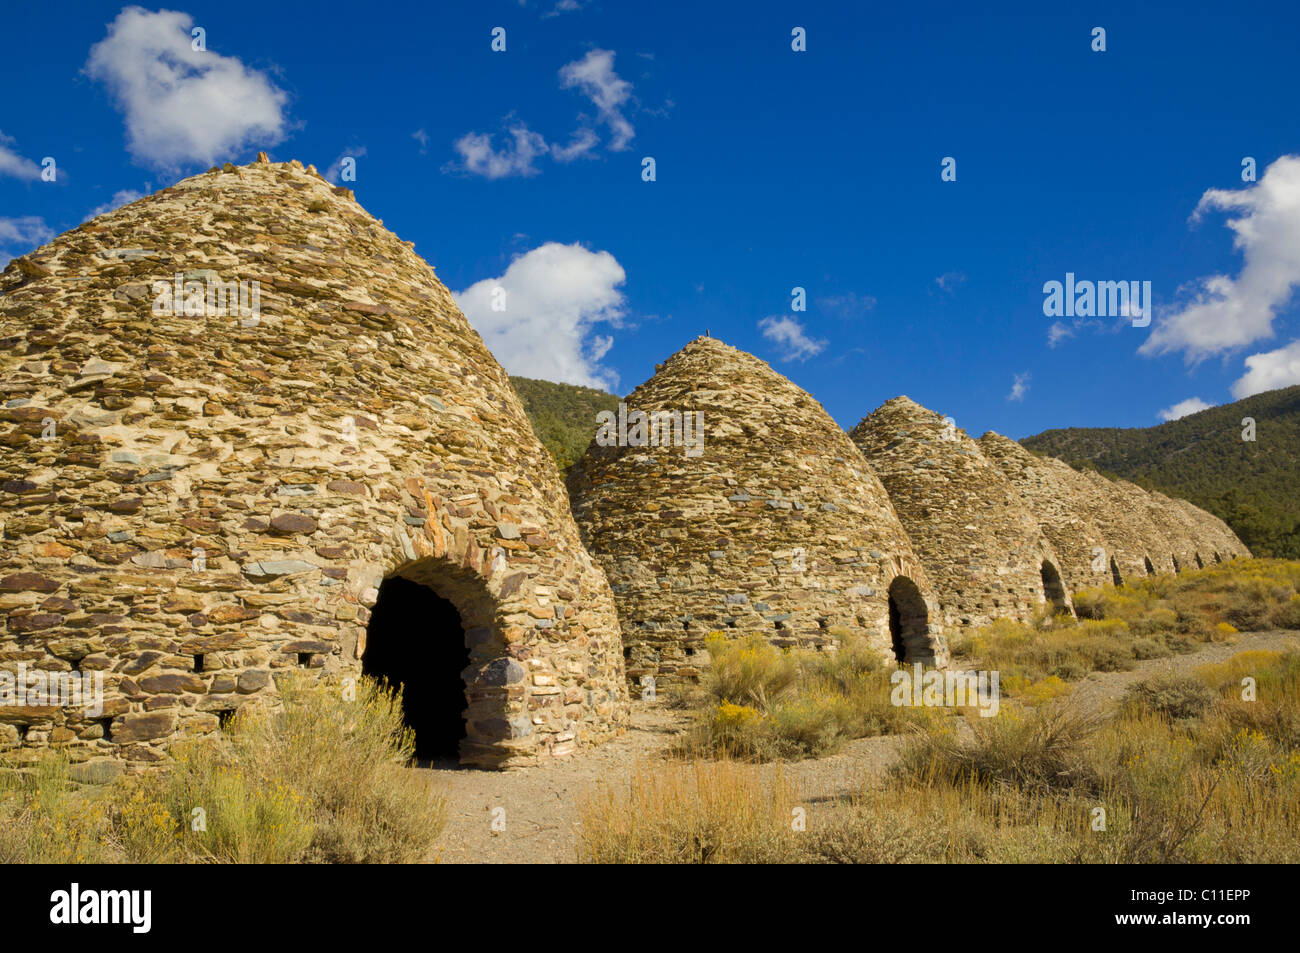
(774, 169)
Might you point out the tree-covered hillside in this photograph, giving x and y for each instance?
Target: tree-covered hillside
(1253, 485)
(563, 415)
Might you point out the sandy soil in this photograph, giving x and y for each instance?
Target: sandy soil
(540, 812)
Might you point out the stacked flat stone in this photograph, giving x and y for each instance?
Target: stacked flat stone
(1086, 516)
(1135, 507)
(1181, 533)
(1070, 512)
(191, 503)
(1217, 542)
(778, 527)
(977, 540)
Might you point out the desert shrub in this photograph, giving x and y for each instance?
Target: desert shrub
(814, 722)
(1274, 710)
(1246, 613)
(1151, 648)
(1171, 696)
(1089, 604)
(693, 813)
(246, 816)
(749, 671)
(1286, 615)
(1248, 594)
(1223, 632)
(1104, 657)
(1044, 690)
(1069, 670)
(874, 830)
(1037, 748)
(740, 729)
(46, 819)
(1181, 780)
(321, 778)
(763, 703)
(346, 760)
(1194, 791)
(1159, 619)
(145, 828)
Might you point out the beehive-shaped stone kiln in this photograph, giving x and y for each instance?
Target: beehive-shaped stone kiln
(1107, 530)
(772, 523)
(979, 543)
(246, 429)
(1218, 541)
(1068, 508)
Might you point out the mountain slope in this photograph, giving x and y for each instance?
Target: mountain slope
(563, 415)
(1254, 486)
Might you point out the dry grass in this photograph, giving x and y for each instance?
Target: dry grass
(1034, 748)
(1200, 770)
(689, 812)
(1119, 626)
(320, 779)
(760, 702)
(40, 823)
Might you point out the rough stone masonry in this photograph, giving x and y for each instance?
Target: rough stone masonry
(232, 411)
(971, 528)
(777, 527)
(192, 502)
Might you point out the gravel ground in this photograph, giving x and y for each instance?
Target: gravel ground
(540, 811)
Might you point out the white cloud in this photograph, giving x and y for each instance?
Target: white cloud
(563, 6)
(12, 164)
(1191, 405)
(479, 157)
(1019, 387)
(28, 230)
(182, 106)
(848, 305)
(21, 235)
(581, 146)
(949, 281)
(1269, 371)
(120, 198)
(332, 173)
(422, 138)
(789, 335)
(1058, 332)
(554, 296)
(594, 77)
(1229, 312)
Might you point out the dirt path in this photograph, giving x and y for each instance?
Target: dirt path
(540, 810)
(1100, 688)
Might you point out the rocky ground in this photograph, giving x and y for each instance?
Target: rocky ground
(540, 804)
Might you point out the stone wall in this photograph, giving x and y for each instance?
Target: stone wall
(975, 536)
(191, 504)
(777, 527)
(1218, 543)
(1085, 515)
(1134, 507)
(1069, 510)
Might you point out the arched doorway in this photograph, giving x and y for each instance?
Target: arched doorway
(1054, 588)
(1151, 569)
(1200, 564)
(415, 640)
(1114, 572)
(1177, 568)
(909, 622)
(1217, 557)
